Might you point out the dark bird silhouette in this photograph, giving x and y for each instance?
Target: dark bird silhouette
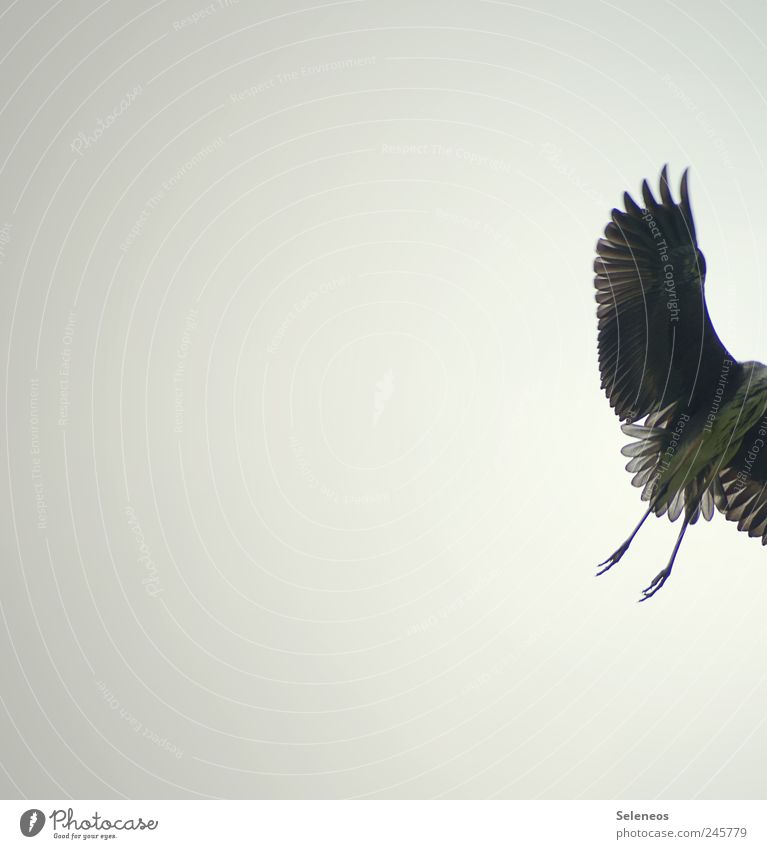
(696, 416)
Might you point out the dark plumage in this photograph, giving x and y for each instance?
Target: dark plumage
(702, 441)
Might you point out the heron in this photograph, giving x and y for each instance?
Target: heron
(696, 416)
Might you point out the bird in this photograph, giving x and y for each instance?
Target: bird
(695, 415)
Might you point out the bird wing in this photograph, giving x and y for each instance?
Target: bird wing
(657, 347)
(747, 498)
(745, 477)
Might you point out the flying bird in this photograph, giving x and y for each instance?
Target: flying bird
(697, 417)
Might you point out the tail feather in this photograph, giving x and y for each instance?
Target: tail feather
(645, 455)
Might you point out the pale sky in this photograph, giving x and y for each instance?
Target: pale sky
(308, 470)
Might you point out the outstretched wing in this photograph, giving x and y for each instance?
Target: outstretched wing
(745, 477)
(747, 505)
(658, 350)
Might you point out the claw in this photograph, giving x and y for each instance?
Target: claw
(657, 582)
(660, 579)
(611, 560)
(616, 556)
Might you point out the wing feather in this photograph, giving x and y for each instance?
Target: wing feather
(657, 347)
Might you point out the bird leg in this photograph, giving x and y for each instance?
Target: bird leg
(660, 579)
(616, 555)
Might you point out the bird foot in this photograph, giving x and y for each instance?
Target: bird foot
(657, 582)
(612, 559)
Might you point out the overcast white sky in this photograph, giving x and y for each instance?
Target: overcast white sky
(308, 468)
